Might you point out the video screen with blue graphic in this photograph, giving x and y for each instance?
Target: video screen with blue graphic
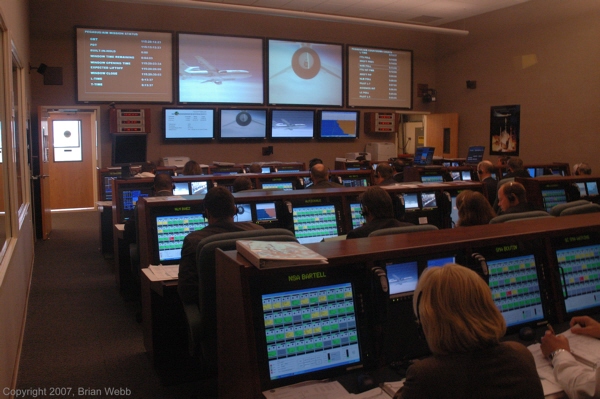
(338, 124)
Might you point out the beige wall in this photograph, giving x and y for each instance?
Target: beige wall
(52, 42)
(16, 265)
(558, 91)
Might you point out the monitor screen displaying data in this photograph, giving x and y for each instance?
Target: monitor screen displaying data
(302, 73)
(118, 65)
(356, 215)
(553, 197)
(188, 124)
(310, 330)
(424, 156)
(314, 223)
(280, 185)
(220, 69)
(170, 232)
(379, 77)
(516, 289)
(578, 261)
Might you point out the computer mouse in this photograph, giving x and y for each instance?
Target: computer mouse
(365, 382)
(527, 334)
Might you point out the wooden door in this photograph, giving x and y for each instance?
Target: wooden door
(441, 132)
(46, 216)
(71, 160)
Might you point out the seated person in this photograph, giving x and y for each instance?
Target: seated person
(242, 183)
(378, 211)
(577, 380)
(314, 162)
(582, 169)
(398, 166)
(319, 174)
(148, 170)
(490, 185)
(512, 198)
(463, 328)
(255, 167)
(191, 168)
(219, 210)
(473, 209)
(163, 185)
(515, 168)
(384, 175)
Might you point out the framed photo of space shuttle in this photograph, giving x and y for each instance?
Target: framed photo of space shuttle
(302, 73)
(505, 131)
(220, 69)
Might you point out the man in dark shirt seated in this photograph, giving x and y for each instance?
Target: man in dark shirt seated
(512, 198)
(515, 168)
(319, 174)
(398, 166)
(219, 210)
(490, 185)
(384, 175)
(378, 211)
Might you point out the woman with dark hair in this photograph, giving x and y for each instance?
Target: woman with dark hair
(191, 168)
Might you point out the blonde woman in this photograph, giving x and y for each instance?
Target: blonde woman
(463, 327)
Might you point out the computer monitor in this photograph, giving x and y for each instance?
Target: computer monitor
(424, 156)
(553, 196)
(356, 217)
(577, 258)
(592, 188)
(411, 201)
(277, 185)
(581, 188)
(315, 221)
(181, 188)
(292, 124)
(129, 194)
(265, 213)
(199, 187)
(515, 283)
(402, 277)
(355, 181)
(169, 232)
(475, 154)
(438, 262)
(466, 175)
(455, 175)
(244, 213)
(428, 200)
(243, 124)
(426, 178)
(338, 124)
(128, 149)
(308, 329)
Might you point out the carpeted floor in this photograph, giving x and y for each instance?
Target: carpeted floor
(80, 332)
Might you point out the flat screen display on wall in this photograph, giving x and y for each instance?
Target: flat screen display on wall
(118, 65)
(379, 78)
(303, 73)
(220, 69)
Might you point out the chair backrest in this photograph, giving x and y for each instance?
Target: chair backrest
(205, 263)
(557, 209)
(509, 217)
(403, 229)
(576, 210)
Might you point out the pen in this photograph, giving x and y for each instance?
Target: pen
(549, 326)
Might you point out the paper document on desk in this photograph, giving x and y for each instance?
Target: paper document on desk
(309, 390)
(165, 272)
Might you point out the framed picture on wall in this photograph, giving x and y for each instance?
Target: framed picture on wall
(505, 129)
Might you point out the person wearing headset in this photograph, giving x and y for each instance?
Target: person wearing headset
(490, 185)
(319, 175)
(219, 211)
(378, 211)
(512, 198)
(463, 328)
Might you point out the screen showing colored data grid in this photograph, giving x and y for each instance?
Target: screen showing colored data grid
(355, 182)
(282, 185)
(310, 330)
(314, 223)
(356, 215)
(516, 289)
(432, 179)
(171, 230)
(553, 197)
(581, 270)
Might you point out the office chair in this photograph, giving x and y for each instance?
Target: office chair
(557, 209)
(576, 210)
(202, 317)
(403, 229)
(513, 217)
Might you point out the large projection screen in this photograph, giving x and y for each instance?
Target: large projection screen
(220, 69)
(118, 65)
(379, 78)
